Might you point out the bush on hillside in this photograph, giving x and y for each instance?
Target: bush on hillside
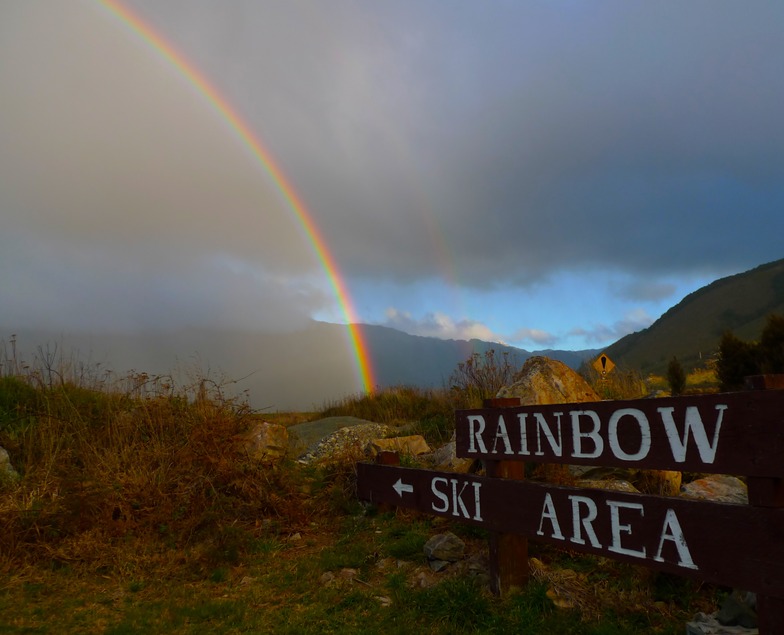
(772, 345)
(676, 377)
(739, 359)
(480, 377)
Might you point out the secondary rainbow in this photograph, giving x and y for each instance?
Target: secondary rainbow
(292, 199)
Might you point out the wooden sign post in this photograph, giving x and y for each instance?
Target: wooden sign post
(728, 544)
(508, 553)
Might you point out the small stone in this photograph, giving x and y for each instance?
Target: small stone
(436, 566)
(445, 546)
(348, 574)
(327, 578)
(423, 580)
(295, 537)
(477, 564)
(383, 600)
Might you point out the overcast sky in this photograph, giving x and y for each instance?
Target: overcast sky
(546, 174)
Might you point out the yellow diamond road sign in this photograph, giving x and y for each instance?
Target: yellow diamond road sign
(603, 364)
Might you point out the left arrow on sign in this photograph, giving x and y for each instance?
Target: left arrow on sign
(401, 487)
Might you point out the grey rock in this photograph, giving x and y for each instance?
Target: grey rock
(445, 547)
(739, 609)
(614, 485)
(719, 488)
(7, 471)
(265, 441)
(703, 624)
(436, 566)
(446, 458)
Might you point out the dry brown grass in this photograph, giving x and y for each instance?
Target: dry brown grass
(120, 481)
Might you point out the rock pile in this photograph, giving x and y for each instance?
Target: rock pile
(443, 549)
(344, 440)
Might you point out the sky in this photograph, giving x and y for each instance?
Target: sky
(543, 174)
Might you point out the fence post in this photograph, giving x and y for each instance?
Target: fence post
(767, 492)
(508, 553)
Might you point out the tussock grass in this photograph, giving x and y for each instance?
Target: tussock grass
(393, 406)
(429, 412)
(130, 476)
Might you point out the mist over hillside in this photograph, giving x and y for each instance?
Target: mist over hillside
(297, 370)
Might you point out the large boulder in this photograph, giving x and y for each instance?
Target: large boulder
(542, 380)
(265, 441)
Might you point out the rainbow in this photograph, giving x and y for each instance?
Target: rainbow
(251, 140)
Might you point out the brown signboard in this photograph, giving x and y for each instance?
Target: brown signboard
(735, 545)
(729, 433)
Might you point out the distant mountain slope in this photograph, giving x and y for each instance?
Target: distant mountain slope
(691, 330)
(400, 358)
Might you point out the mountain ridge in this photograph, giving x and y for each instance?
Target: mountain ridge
(691, 329)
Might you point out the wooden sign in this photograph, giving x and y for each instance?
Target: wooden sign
(736, 545)
(731, 433)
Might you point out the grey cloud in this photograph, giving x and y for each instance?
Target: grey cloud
(506, 142)
(537, 336)
(632, 322)
(55, 286)
(519, 140)
(642, 290)
(440, 326)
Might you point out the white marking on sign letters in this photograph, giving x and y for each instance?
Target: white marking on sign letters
(585, 511)
(458, 503)
(645, 434)
(694, 424)
(548, 512)
(502, 434)
(476, 433)
(617, 528)
(401, 487)
(542, 426)
(586, 522)
(578, 435)
(672, 531)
